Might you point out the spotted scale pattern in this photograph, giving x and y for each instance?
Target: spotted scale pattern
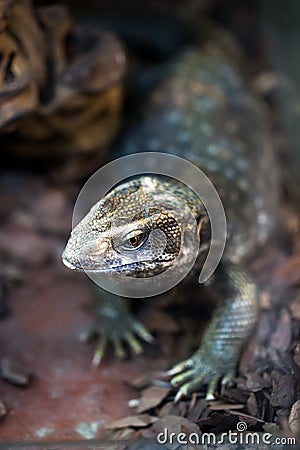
(204, 112)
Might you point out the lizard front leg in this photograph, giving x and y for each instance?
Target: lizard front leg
(231, 325)
(115, 324)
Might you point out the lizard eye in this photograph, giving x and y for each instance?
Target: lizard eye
(134, 240)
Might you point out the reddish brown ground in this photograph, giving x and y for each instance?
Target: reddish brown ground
(64, 393)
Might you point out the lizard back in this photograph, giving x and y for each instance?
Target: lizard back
(204, 112)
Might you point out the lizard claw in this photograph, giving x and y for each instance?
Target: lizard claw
(133, 343)
(142, 332)
(200, 370)
(183, 378)
(180, 367)
(119, 349)
(126, 331)
(99, 352)
(178, 396)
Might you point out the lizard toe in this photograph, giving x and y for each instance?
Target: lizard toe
(212, 387)
(100, 351)
(142, 332)
(188, 388)
(88, 335)
(180, 367)
(227, 379)
(202, 369)
(119, 349)
(133, 343)
(182, 378)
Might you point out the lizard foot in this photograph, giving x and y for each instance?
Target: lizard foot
(199, 370)
(117, 331)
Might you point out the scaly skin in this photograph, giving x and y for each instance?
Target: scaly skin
(204, 113)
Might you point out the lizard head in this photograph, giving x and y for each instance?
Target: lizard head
(137, 229)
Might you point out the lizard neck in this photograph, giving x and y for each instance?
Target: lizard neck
(190, 199)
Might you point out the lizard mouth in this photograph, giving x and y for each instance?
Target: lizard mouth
(132, 269)
(108, 270)
(71, 266)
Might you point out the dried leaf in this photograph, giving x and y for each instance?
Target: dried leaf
(272, 428)
(138, 421)
(219, 405)
(284, 393)
(249, 419)
(289, 272)
(297, 355)
(255, 382)
(294, 418)
(165, 410)
(197, 410)
(295, 307)
(252, 405)
(281, 339)
(140, 381)
(124, 434)
(217, 422)
(151, 397)
(235, 395)
(175, 424)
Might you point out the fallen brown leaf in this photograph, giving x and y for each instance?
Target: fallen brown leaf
(252, 405)
(140, 421)
(294, 418)
(281, 339)
(219, 406)
(284, 392)
(151, 397)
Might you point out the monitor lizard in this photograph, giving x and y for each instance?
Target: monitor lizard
(204, 112)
